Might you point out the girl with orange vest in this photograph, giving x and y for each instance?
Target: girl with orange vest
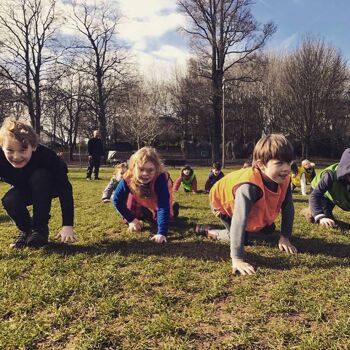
(146, 191)
(250, 199)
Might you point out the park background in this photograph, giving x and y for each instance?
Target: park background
(71, 67)
(67, 68)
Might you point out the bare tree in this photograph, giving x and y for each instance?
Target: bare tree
(192, 110)
(225, 34)
(101, 56)
(27, 28)
(140, 120)
(64, 105)
(315, 77)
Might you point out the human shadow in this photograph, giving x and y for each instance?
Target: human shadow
(321, 247)
(194, 206)
(207, 250)
(300, 200)
(342, 225)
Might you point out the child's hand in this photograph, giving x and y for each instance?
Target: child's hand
(241, 267)
(285, 245)
(135, 225)
(106, 200)
(327, 222)
(158, 238)
(67, 235)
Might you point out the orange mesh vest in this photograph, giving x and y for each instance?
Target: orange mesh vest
(152, 203)
(263, 212)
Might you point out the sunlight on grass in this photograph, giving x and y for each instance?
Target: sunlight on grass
(115, 290)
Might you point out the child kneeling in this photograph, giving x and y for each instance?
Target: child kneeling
(145, 192)
(37, 175)
(330, 188)
(119, 171)
(250, 199)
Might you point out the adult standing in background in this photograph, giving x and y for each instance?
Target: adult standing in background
(95, 150)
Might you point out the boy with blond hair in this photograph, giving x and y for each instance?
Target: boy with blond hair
(250, 199)
(37, 175)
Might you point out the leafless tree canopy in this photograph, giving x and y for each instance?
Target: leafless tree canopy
(224, 33)
(27, 28)
(314, 76)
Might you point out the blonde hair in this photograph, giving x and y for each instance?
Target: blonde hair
(118, 170)
(18, 130)
(273, 146)
(139, 158)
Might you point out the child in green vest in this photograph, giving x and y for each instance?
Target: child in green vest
(188, 179)
(250, 199)
(330, 187)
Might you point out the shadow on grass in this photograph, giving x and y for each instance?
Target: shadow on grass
(213, 251)
(301, 200)
(4, 218)
(343, 226)
(184, 206)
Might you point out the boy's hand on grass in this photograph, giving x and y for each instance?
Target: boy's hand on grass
(241, 267)
(67, 235)
(327, 222)
(135, 225)
(285, 245)
(106, 200)
(158, 238)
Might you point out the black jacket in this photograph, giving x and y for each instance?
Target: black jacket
(42, 158)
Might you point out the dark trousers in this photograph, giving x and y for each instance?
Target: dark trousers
(39, 193)
(327, 207)
(94, 163)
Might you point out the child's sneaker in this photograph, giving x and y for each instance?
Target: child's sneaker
(21, 241)
(202, 230)
(39, 237)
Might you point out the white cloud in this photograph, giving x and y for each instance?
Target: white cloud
(145, 8)
(162, 62)
(145, 26)
(154, 26)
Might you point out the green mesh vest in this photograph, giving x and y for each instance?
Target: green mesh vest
(339, 194)
(187, 184)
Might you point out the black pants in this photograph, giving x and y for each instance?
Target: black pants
(94, 163)
(39, 193)
(327, 207)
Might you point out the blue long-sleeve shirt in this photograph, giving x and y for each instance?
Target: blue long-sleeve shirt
(120, 198)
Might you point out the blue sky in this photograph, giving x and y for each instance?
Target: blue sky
(149, 28)
(294, 18)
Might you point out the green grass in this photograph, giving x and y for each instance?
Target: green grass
(115, 290)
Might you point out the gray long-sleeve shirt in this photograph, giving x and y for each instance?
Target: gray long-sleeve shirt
(245, 197)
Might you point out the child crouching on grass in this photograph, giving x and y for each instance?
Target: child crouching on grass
(119, 171)
(188, 179)
(145, 192)
(214, 176)
(330, 188)
(250, 199)
(37, 175)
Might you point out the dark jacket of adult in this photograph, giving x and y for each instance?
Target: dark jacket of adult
(95, 147)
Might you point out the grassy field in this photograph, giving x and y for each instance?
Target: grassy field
(114, 290)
